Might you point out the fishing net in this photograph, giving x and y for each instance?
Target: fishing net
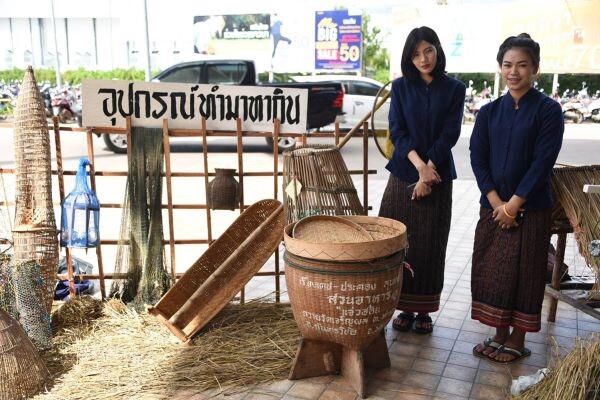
(140, 253)
(7, 289)
(30, 293)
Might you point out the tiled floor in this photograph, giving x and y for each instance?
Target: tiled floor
(440, 365)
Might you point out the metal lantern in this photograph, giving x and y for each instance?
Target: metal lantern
(80, 213)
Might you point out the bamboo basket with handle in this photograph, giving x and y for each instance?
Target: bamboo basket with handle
(325, 186)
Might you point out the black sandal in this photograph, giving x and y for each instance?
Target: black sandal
(423, 319)
(403, 322)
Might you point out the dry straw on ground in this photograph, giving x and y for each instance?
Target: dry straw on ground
(125, 354)
(575, 377)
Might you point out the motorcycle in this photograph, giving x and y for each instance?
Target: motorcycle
(66, 107)
(594, 109)
(575, 110)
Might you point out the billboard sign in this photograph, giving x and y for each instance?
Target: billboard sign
(338, 41)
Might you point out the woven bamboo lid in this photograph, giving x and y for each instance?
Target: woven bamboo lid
(329, 229)
(388, 237)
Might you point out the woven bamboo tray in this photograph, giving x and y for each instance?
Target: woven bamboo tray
(389, 237)
(329, 229)
(222, 271)
(22, 372)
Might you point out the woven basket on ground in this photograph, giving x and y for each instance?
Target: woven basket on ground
(326, 185)
(35, 233)
(222, 271)
(582, 209)
(22, 372)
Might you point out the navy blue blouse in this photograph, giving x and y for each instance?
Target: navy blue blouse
(426, 118)
(514, 151)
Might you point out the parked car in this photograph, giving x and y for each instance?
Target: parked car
(359, 97)
(325, 99)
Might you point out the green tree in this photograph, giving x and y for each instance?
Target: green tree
(375, 58)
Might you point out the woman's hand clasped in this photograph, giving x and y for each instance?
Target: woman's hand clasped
(503, 217)
(421, 190)
(428, 174)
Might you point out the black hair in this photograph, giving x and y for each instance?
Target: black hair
(524, 42)
(412, 40)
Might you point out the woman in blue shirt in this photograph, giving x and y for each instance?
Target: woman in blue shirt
(514, 145)
(425, 119)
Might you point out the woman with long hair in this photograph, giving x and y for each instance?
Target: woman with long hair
(425, 119)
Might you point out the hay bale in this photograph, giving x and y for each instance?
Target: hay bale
(575, 377)
(126, 354)
(75, 312)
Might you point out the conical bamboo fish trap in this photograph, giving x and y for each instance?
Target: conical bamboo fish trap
(22, 372)
(320, 183)
(34, 232)
(222, 271)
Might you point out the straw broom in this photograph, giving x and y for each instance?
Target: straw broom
(576, 377)
(582, 210)
(125, 354)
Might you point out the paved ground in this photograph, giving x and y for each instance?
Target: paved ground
(441, 365)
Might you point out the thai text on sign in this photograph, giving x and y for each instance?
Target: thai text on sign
(107, 103)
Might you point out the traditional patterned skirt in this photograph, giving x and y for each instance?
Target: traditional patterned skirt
(509, 270)
(428, 225)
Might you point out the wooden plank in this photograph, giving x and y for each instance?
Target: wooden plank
(578, 304)
(559, 258)
(365, 144)
(240, 153)
(61, 190)
(316, 358)
(167, 151)
(276, 129)
(123, 275)
(91, 158)
(205, 156)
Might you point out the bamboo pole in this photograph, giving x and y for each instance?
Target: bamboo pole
(276, 128)
(167, 151)
(205, 155)
(240, 152)
(366, 167)
(363, 120)
(91, 158)
(61, 191)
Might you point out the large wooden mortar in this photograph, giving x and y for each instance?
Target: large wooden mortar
(341, 305)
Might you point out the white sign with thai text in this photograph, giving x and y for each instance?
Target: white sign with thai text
(106, 103)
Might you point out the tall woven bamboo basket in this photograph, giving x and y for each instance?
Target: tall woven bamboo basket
(34, 232)
(222, 271)
(316, 181)
(22, 372)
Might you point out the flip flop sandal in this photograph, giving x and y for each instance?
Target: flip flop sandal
(489, 342)
(518, 354)
(403, 322)
(422, 319)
